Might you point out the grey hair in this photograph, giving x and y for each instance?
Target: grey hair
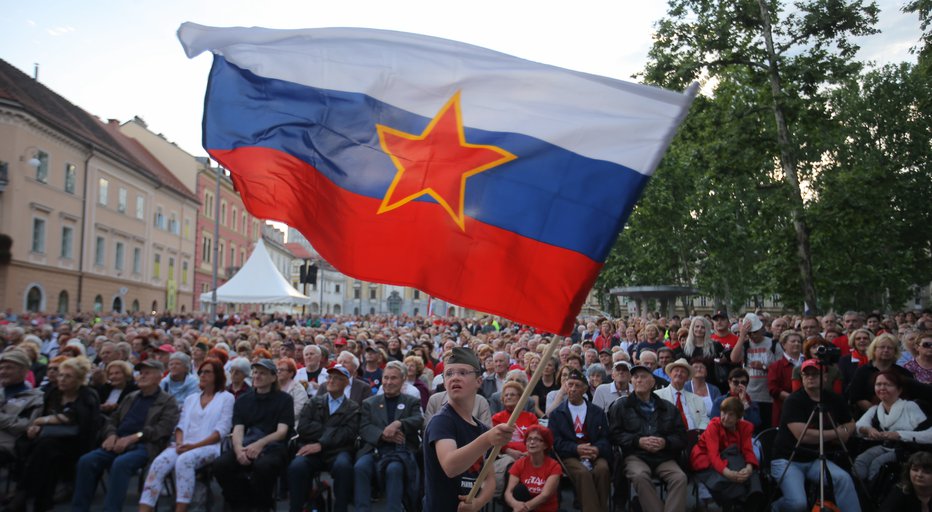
(184, 358)
(353, 357)
(242, 365)
(522, 377)
(397, 365)
(596, 368)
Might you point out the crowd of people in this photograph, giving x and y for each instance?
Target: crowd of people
(404, 409)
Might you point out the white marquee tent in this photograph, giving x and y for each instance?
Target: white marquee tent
(258, 282)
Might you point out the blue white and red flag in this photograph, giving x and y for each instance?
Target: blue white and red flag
(483, 179)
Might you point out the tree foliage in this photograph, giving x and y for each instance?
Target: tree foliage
(722, 212)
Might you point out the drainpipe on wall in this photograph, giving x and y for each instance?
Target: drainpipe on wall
(84, 217)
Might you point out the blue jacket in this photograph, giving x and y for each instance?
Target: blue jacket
(564, 435)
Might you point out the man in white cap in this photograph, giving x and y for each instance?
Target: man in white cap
(691, 407)
(753, 351)
(20, 403)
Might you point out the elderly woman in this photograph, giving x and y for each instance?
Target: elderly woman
(780, 373)
(180, 382)
(724, 459)
(240, 370)
(893, 419)
(596, 376)
(51, 374)
(914, 492)
(858, 341)
(119, 384)
(558, 396)
(699, 386)
(515, 449)
(54, 441)
(414, 378)
(286, 370)
(206, 418)
(533, 480)
(883, 353)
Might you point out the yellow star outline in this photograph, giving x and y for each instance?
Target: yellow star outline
(437, 162)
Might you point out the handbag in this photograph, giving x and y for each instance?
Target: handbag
(58, 431)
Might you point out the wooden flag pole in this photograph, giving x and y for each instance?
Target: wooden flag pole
(487, 466)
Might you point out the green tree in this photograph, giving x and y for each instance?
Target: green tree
(789, 58)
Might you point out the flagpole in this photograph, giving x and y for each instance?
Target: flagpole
(487, 466)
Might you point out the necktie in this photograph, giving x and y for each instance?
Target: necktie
(679, 406)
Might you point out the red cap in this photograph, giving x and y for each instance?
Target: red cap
(809, 363)
(166, 348)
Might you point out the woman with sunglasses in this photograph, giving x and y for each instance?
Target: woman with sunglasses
(738, 380)
(921, 366)
(534, 479)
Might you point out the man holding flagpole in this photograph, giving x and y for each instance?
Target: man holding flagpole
(455, 442)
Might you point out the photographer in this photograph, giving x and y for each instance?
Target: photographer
(797, 410)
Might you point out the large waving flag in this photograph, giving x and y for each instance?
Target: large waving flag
(489, 181)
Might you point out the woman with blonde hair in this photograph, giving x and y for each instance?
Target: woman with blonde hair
(883, 353)
(55, 440)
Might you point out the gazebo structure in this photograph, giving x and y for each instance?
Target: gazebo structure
(665, 294)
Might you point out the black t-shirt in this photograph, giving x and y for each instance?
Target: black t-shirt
(796, 409)
(263, 411)
(441, 491)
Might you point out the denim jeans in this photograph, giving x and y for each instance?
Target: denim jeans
(303, 468)
(122, 467)
(794, 485)
(394, 484)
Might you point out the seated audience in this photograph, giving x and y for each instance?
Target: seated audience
(738, 387)
(263, 417)
(652, 435)
(691, 408)
(534, 480)
(724, 460)
(20, 404)
(240, 372)
(893, 419)
(327, 433)
(581, 439)
(119, 385)
(515, 449)
(699, 385)
(619, 387)
(780, 373)
(914, 492)
(206, 419)
(389, 428)
(135, 433)
(797, 410)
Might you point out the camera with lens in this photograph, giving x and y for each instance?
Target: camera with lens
(827, 354)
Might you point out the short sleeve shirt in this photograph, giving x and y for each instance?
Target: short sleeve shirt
(442, 491)
(797, 409)
(534, 478)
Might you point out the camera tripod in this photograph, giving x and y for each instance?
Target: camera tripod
(820, 412)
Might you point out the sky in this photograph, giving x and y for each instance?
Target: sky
(118, 59)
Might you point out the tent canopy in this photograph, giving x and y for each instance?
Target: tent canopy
(258, 282)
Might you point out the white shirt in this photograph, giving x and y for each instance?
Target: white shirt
(578, 412)
(198, 423)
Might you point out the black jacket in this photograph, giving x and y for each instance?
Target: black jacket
(336, 433)
(564, 436)
(628, 424)
(373, 420)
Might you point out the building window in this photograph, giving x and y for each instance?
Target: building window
(233, 221)
(417, 295)
(242, 257)
(223, 213)
(171, 268)
(184, 272)
(99, 252)
(187, 228)
(98, 304)
(336, 288)
(42, 172)
(34, 300)
(157, 266)
(372, 292)
(173, 224)
(118, 264)
(136, 306)
(245, 223)
(70, 178)
(232, 254)
(208, 205)
(121, 200)
(137, 260)
(158, 220)
(38, 235)
(702, 301)
(205, 249)
(117, 305)
(220, 253)
(140, 207)
(67, 242)
(103, 186)
(63, 302)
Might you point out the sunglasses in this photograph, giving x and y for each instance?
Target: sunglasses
(926, 344)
